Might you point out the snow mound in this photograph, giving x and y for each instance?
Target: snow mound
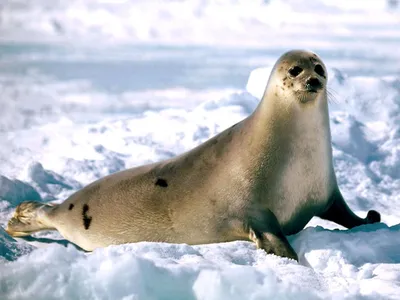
(15, 191)
(365, 257)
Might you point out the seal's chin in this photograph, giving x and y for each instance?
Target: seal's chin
(309, 95)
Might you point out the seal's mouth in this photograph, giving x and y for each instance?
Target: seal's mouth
(312, 90)
(308, 95)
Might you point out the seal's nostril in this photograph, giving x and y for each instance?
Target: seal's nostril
(313, 83)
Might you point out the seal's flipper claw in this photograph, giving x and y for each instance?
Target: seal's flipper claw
(28, 217)
(266, 232)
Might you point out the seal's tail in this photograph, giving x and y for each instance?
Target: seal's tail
(29, 217)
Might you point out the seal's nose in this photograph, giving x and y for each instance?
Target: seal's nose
(313, 84)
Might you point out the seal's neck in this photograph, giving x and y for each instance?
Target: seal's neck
(288, 121)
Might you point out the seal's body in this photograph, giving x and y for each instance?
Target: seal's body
(261, 179)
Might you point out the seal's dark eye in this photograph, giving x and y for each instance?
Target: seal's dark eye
(319, 70)
(295, 71)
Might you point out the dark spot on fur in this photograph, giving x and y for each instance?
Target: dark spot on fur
(161, 182)
(86, 219)
(291, 84)
(284, 83)
(70, 207)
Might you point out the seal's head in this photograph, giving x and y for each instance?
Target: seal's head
(301, 74)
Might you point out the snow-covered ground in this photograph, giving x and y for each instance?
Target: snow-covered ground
(90, 87)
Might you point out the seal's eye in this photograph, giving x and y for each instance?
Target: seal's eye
(319, 70)
(295, 71)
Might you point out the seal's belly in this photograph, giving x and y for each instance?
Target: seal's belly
(296, 221)
(295, 211)
(304, 192)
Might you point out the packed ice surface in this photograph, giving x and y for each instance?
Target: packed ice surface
(88, 88)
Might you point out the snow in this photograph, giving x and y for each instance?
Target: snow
(256, 22)
(218, 271)
(90, 87)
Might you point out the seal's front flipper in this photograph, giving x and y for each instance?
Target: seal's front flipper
(29, 217)
(341, 214)
(266, 232)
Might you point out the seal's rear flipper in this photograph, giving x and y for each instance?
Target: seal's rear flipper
(29, 217)
(340, 213)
